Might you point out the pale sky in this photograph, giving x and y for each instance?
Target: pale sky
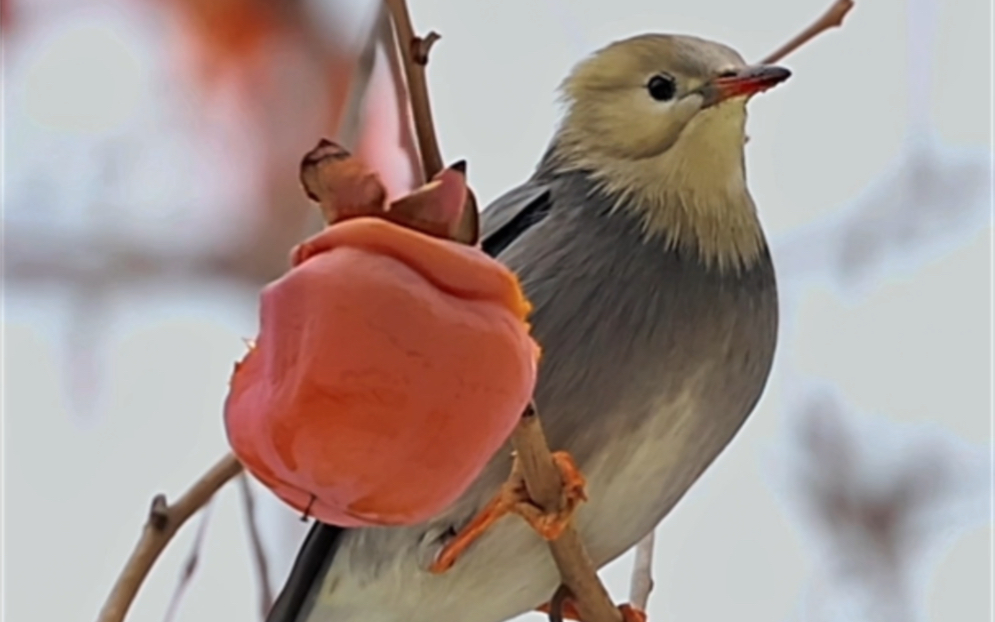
(914, 347)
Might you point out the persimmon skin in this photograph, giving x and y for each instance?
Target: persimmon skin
(389, 369)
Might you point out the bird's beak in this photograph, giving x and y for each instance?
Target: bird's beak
(745, 82)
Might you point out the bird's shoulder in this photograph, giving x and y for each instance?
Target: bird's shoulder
(514, 212)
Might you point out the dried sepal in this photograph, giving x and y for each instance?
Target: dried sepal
(344, 187)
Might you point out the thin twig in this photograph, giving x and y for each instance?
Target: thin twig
(545, 487)
(190, 566)
(256, 543)
(832, 18)
(163, 522)
(642, 572)
(414, 53)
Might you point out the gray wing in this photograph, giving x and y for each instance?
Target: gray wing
(502, 222)
(312, 562)
(512, 214)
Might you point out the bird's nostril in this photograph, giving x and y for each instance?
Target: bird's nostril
(728, 73)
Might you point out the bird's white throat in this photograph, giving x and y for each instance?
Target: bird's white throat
(694, 194)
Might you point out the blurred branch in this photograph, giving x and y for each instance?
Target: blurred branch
(256, 542)
(163, 522)
(642, 572)
(877, 498)
(190, 566)
(832, 18)
(414, 53)
(365, 64)
(44, 253)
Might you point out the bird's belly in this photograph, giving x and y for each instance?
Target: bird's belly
(631, 486)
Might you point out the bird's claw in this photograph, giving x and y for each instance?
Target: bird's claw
(550, 525)
(631, 614)
(514, 498)
(568, 611)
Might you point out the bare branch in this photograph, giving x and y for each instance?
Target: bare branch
(545, 487)
(414, 53)
(163, 522)
(832, 18)
(256, 542)
(642, 572)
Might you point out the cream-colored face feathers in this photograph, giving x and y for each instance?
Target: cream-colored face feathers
(610, 102)
(639, 120)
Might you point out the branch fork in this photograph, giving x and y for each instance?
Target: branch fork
(163, 521)
(420, 47)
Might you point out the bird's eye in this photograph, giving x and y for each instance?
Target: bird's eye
(662, 87)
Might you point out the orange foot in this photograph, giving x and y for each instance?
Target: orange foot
(568, 611)
(514, 498)
(631, 614)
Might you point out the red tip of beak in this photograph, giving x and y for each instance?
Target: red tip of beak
(748, 81)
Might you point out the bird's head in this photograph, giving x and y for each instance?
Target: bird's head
(635, 98)
(660, 121)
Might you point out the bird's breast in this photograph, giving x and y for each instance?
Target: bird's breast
(651, 361)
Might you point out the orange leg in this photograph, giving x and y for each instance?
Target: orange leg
(514, 498)
(631, 614)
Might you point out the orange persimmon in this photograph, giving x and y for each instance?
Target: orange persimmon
(389, 368)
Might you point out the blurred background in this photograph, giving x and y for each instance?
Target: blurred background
(150, 189)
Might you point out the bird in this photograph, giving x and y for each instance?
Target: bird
(654, 297)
